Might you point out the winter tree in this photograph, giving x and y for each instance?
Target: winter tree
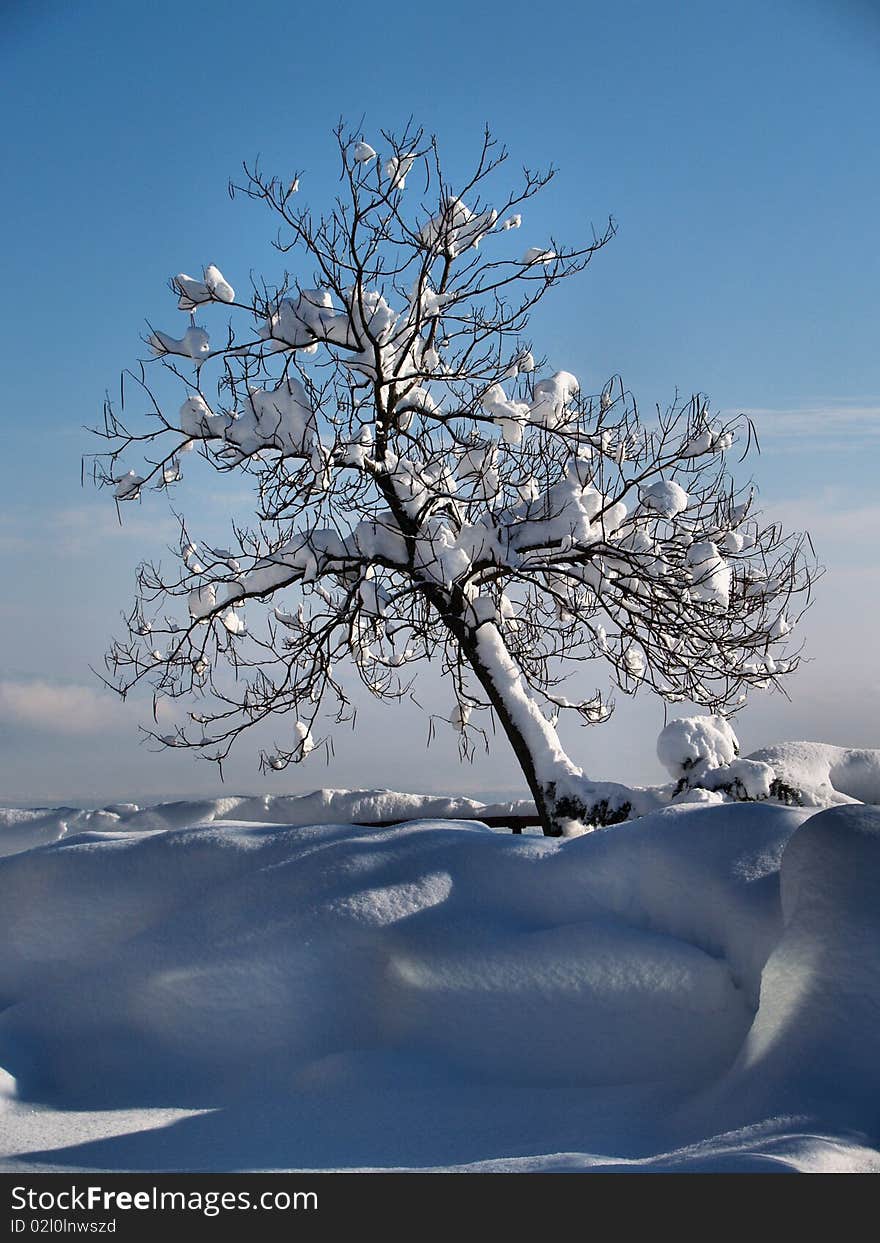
(426, 488)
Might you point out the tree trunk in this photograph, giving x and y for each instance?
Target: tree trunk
(551, 776)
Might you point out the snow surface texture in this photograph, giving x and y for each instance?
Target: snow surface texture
(21, 829)
(695, 990)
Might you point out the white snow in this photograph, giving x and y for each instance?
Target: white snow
(539, 735)
(397, 168)
(279, 418)
(128, 486)
(202, 600)
(747, 779)
(536, 255)
(21, 829)
(552, 398)
(193, 293)
(195, 344)
(707, 441)
(710, 573)
(509, 415)
(233, 621)
(665, 497)
(206, 985)
(696, 742)
(824, 774)
(455, 228)
(303, 736)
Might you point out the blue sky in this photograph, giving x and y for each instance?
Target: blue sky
(735, 145)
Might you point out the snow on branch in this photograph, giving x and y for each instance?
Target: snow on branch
(425, 489)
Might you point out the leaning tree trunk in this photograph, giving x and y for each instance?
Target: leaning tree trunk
(561, 791)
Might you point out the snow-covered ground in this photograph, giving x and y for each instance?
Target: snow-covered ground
(239, 984)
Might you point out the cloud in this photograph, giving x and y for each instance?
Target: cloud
(844, 533)
(85, 529)
(839, 423)
(55, 708)
(75, 530)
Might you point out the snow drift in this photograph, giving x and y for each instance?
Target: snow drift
(20, 829)
(822, 774)
(212, 989)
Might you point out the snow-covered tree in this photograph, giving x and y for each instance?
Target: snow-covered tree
(427, 488)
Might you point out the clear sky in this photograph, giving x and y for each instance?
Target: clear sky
(734, 143)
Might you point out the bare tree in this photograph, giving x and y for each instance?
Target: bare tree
(422, 495)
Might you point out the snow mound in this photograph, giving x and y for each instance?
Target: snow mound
(821, 774)
(811, 1045)
(630, 998)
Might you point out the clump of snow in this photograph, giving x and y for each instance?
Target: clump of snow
(233, 621)
(552, 398)
(509, 415)
(696, 742)
(697, 794)
(665, 497)
(300, 322)
(634, 663)
(709, 440)
(743, 779)
(781, 627)
(710, 574)
(456, 228)
(128, 486)
(303, 735)
(197, 419)
(213, 288)
(195, 344)
(397, 168)
(537, 255)
(202, 600)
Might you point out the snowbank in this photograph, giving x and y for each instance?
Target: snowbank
(254, 994)
(811, 1046)
(22, 829)
(822, 774)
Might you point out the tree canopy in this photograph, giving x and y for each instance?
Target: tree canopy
(426, 488)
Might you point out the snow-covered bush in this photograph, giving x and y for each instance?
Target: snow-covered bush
(692, 744)
(428, 488)
(701, 753)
